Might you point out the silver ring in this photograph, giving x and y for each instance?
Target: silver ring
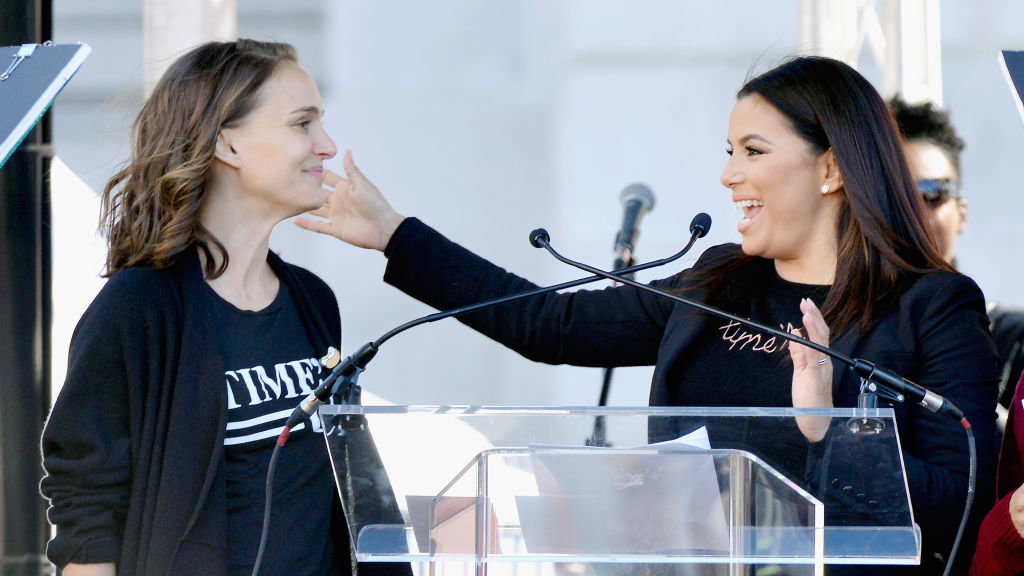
(823, 361)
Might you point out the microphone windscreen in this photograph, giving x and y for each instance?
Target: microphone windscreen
(700, 225)
(640, 192)
(539, 237)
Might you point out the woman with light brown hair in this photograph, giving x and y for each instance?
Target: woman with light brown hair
(184, 369)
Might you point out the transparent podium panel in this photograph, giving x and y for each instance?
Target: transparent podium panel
(515, 490)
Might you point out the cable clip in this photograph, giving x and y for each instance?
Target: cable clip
(24, 52)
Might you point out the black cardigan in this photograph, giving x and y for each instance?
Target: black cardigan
(935, 335)
(134, 444)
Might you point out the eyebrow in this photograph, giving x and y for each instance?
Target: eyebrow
(748, 137)
(308, 109)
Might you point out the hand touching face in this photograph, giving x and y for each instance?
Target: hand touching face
(355, 212)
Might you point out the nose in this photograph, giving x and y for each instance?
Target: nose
(730, 175)
(324, 146)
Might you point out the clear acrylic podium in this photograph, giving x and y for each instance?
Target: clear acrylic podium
(516, 490)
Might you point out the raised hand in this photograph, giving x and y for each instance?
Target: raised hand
(355, 211)
(812, 372)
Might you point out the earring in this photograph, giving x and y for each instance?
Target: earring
(825, 189)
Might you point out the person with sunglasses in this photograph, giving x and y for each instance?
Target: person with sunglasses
(933, 150)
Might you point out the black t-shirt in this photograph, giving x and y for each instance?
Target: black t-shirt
(733, 365)
(271, 366)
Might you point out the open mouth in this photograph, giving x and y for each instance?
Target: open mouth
(750, 208)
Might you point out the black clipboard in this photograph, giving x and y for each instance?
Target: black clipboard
(1013, 69)
(31, 76)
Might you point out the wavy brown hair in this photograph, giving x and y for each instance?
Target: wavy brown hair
(150, 207)
(883, 242)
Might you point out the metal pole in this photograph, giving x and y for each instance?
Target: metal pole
(24, 319)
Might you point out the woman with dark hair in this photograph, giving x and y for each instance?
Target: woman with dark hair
(834, 245)
(185, 367)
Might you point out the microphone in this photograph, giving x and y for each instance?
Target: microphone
(700, 225)
(637, 200)
(346, 372)
(872, 375)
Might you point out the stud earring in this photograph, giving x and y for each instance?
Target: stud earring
(825, 189)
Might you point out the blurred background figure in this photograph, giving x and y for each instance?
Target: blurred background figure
(933, 150)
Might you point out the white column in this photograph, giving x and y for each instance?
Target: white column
(916, 43)
(173, 26)
(902, 37)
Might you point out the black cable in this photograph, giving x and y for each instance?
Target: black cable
(269, 490)
(972, 478)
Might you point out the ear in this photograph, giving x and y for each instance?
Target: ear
(830, 174)
(225, 151)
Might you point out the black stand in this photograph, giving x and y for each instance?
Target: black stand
(24, 321)
(597, 437)
(27, 87)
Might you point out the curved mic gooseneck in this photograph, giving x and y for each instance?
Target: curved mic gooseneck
(900, 387)
(346, 371)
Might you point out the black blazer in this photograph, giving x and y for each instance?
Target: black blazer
(935, 335)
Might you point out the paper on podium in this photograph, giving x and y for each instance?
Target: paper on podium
(1013, 69)
(31, 76)
(626, 500)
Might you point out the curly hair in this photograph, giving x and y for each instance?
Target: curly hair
(150, 207)
(927, 122)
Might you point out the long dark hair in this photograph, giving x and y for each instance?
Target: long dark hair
(883, 241)
(150, 208)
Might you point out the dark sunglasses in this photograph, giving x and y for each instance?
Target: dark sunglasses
(935, 191)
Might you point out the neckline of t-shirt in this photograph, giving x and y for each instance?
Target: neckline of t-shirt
(777, 283)
(276, 304)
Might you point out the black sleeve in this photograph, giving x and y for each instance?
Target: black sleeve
(85, 443)
(620, 326)
(1008, 333)
(957, 360)
(943, 345)
(857, 477)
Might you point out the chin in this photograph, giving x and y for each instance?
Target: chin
(314, 201)
(300, 210)
(749, 248)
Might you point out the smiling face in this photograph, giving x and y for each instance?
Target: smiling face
(272, 161)
(776, 178)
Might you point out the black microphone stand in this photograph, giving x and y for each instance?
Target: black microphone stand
(598, 437)
(875, 381)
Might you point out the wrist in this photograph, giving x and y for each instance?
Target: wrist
(388, 226)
